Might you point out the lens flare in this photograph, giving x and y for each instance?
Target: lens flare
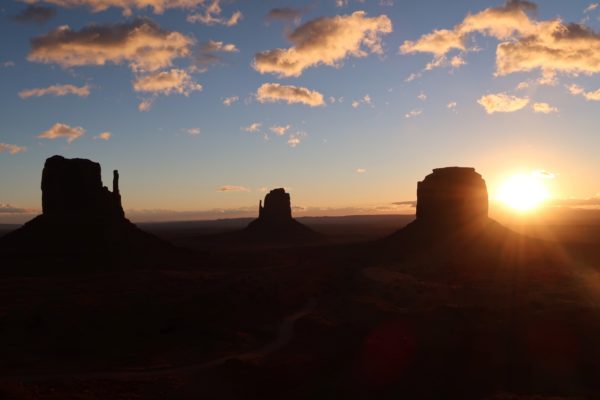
(523, 192)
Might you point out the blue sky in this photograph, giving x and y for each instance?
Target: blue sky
(384, 121)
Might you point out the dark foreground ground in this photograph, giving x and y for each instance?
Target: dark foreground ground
(468, 316)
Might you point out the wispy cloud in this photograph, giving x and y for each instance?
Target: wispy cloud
(37, 14)
(253, 127)
(127, 6)
(361, 171)
(274, 92)
(413, 113)
(232, 188)
(211, 15)
(543, 108)
(8, 209)
(502, 102)
(209, 54)
(56, 90)
(577, 90)
(326, 40)
(287, 14)
(59, 130)
(280, 130)
(591, 7)
(295, 138)
(230, 100)
(11, 148)
(146, 104)
(103, 136)
(193, 131)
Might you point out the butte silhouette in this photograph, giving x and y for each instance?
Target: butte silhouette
(80, 216)
(275, 222)
(452, 214)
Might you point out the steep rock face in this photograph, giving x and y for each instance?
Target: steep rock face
(73, 187)
(277, 207)
(452, 195)
(81, 218)
(275, 222)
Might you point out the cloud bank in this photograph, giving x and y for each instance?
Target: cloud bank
(550, 46)
(326, 40)
(141, 43)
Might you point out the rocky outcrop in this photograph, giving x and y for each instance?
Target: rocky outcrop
(73, 188)
(275, 222)
(452, 195)
(452, 208)
(277, 207)
(81, 217)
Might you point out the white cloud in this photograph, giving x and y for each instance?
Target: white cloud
(232, 188)
(103, 136)
(230, 100)
(8, 64)
(56, 90)
(295, 138)
(577, 90)
(59, 130)
(522, 85)
(543, 108)
(280, 130)
(253, 127)
(141, 43)
(11, 148)
(413, 113)
(502, 102)
(193, 131)
(326, 40)
(526, 44)
(216, 46)
(273, 92)
(360, 170)
(355, 104)
(452, 105)
(146, 104)
(422, 96)
(167, 82)
(591, 7)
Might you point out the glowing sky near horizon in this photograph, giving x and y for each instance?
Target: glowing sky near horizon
(202, 105)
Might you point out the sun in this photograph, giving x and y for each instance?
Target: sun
(523, 192)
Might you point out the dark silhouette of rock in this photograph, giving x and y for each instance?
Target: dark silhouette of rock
(275, 222)
(277, 206)
(452, 205)
(81, 217)
(73, 187)
(452, 195)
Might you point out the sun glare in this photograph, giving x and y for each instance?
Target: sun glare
(523, 192)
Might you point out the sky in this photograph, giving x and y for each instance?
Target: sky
(204, 105)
